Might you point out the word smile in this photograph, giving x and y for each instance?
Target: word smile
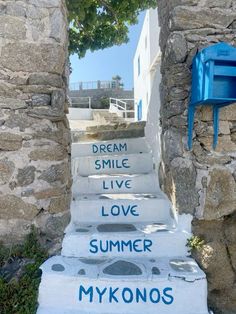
(126, 295)
(104, 246)
(109, 148)
(112, 164)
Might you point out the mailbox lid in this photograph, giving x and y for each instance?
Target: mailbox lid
(221, 51)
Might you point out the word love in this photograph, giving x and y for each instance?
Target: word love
(112, 164)
(113, 184)
(119, 246)
(120, 210)
(109, 148)
(126, 295)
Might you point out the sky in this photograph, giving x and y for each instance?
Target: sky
(104, 64)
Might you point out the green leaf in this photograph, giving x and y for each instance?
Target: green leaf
(99, 24)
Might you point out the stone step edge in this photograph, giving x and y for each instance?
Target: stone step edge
(160, 195)
(113, 155)
(125, 269)
(51, 310)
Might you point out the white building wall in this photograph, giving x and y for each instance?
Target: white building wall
(147, 52)
(146, 83)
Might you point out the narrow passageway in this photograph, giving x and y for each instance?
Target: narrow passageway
(123, 245)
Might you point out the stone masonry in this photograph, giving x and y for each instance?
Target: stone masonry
(202, 181)
(35, 178)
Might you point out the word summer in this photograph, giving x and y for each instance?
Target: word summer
(104, 246)
(126, 295)
(109, 148)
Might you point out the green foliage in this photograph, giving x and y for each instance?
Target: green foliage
(195, 243)
(98, 24)
(105, 103)
(19, 295)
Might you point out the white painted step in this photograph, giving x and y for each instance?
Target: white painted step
(116, 164)
(113, 184)
(118, 208)
(173, 285)
(124, 240)
(113, 147)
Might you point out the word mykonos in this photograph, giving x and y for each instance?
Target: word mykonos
(104, 246)
(111, 164)
(120, 210)
(109, 148)
(126, 295)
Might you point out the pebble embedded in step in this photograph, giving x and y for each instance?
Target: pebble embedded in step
(120, 246)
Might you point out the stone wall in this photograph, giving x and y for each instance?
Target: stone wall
(202, 181)
(35, 175)
(100, 97)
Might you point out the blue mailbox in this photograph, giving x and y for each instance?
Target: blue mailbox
(213, 83)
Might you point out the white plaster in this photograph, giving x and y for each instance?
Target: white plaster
(131, 208)
(59, 291)
(80, 114)
(147, 52)
(153, 240)
(99, 184)
(123, 164)
(119, 146)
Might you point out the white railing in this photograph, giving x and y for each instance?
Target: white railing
(120, 107)
(77, 102)
(94, 85)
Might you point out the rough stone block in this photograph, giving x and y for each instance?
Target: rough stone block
(10, 141)
(12, 103)
(220, 194)
(176, 49)
(55, 173)
(55, 153)
(13, 207)
(16, 9)
(225, 144)
(6, 170)
(213, 258)
(45, 79)
(26, 176)
(12, 28)
(42, 58)
(60, 204)
(183, 180)
(49, 193)
(186, 17)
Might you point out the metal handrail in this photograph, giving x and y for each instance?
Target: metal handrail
(117, 103)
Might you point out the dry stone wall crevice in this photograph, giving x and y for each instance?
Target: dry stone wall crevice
(35, 179)
(202, 181)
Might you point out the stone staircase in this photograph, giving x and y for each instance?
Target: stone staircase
(124, 250)
(109, 132)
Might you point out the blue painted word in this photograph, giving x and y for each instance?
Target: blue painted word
(104, 246)
(120, 210)
(113, 184)
(112, 164)
(109, 148)
(126, 295)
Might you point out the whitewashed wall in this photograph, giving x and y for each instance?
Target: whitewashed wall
(147, 51)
